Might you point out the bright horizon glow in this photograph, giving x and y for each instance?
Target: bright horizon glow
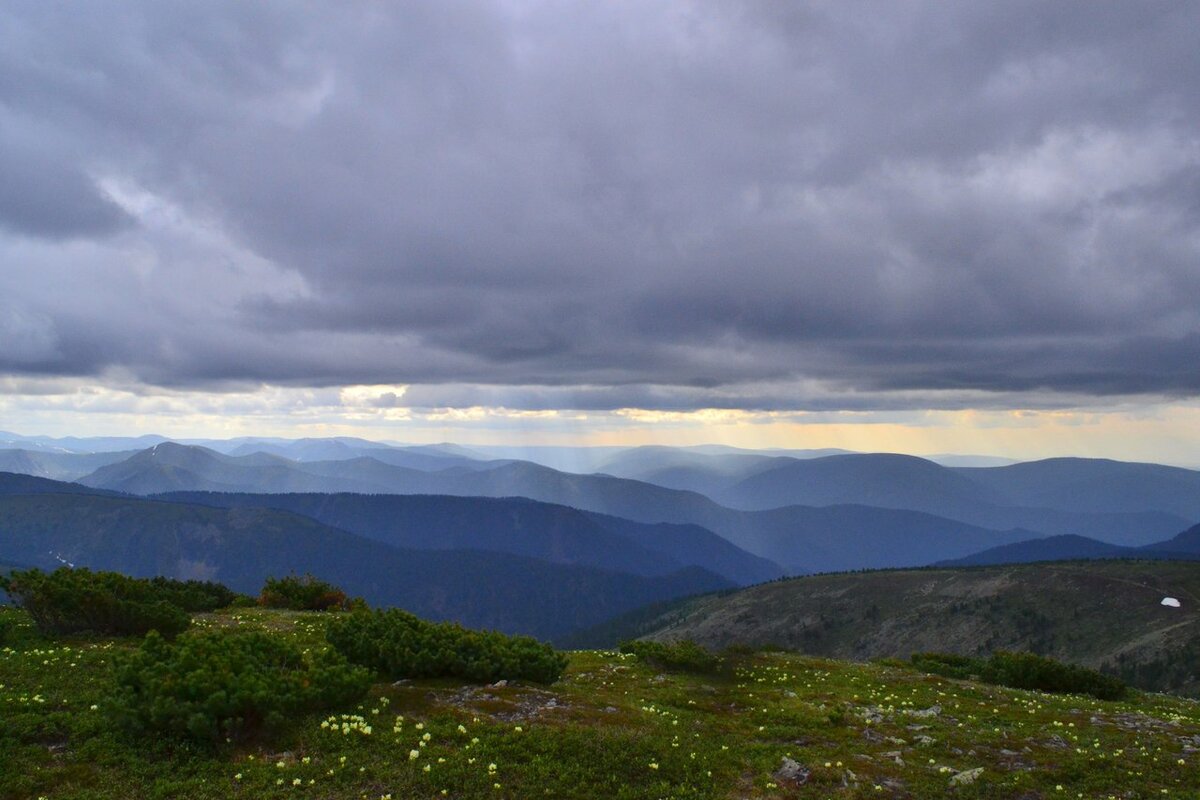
(1167, 432)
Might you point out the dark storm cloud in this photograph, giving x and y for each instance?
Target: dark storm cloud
(664, 205)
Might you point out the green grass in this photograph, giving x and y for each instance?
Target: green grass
(613, 727)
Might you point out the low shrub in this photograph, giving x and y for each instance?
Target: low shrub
(681, 656)
(227, 685)
(397, 645)
(1024, 671)
(69, 601)
(948, 665)
(6, 631)
(1030, 671)
(744, 649)
(194, 596)
(303, 594)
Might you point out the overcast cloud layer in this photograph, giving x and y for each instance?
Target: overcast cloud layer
(606, 205)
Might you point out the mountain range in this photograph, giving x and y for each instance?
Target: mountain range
(799, 538)
(805, 511)
(240, 547)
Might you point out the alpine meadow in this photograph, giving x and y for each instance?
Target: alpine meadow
(511, 399)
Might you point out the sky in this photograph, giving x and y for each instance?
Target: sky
(915, 226)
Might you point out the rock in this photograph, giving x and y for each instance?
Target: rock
(789, 693)
(402, 682)
(932, 711)
(610, 709)
(966, 777)
(871, 735)
(499, 684)
(792, 772)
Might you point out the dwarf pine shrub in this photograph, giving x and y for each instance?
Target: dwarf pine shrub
(397, 644)
(227, 685)
(1024, 671)
(1030, 671)
(69, 601)
(948, 665)
(302, 594)
(681, 656)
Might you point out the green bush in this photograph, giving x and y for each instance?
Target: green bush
(397, 644)
(681, 656)
(69, 601)
(194, 596)
(948, 665)
(1029, 671)
(6, 629)
(303, 594)
(227, 685)
(1024, 671)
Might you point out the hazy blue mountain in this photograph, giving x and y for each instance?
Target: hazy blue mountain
(17, 483)
(1182, 546)
(1095, 485)
(306, 449)
(874, 479)
(675, 468)
(896, 481)
(344, 449)
(241, 547)
(515, 525)
(169, 467)
(1052, 548)
(57, 465)
(1186, 542)
(77, 444)
(797, 537)
(607, 459)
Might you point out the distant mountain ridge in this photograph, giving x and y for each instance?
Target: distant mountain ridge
(242, 546)
(521, 526)
(1184, 546)
(972, 495)
(801, 539)
(57, 465)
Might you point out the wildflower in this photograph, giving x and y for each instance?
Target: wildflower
(413, 755)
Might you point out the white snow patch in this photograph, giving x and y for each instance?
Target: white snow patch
(1170, 601)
